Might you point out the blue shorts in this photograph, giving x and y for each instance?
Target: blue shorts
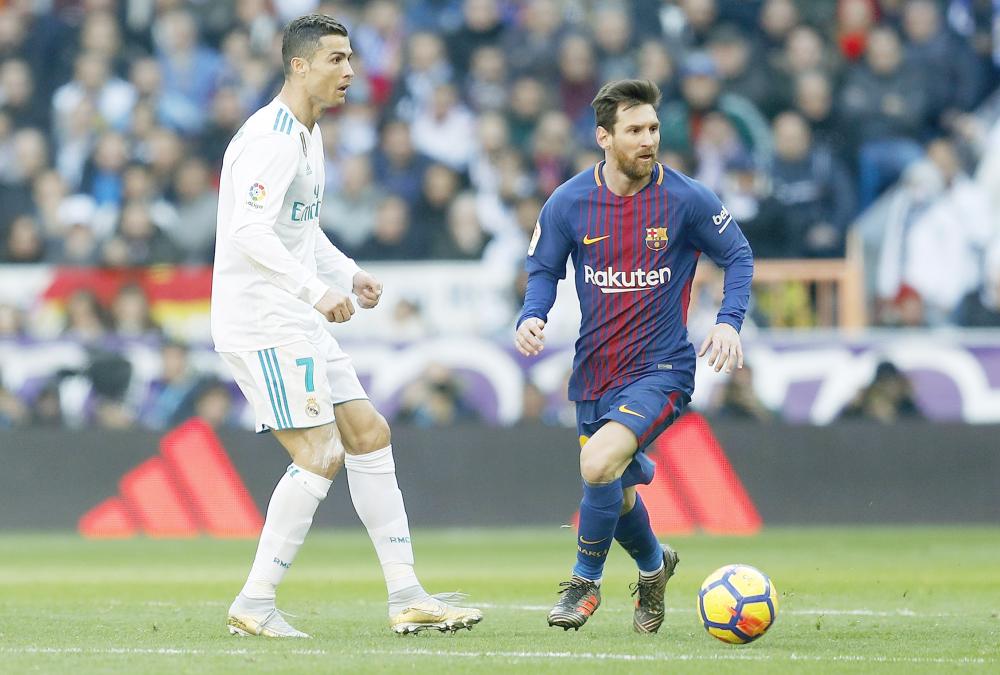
(646, 406)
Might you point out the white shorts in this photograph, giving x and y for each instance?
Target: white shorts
(296, 385)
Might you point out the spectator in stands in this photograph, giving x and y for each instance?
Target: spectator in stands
(740, 71)
(942, 240)
(718, 142)
(17, 96)
(392, 238)
(348, 214)
(814, 100)
(399, 167)
(736, 399)
(24, 242)
(190, 69)
(485, 86)
(11, 321)
(381, 38)
(408, 322)
(813, 188)
(611, 27)
(46, 408)
(464, 238)
(532, 46)
(746, 192)
(888, 399)
(777, 19)
(13, 411)
(102, 174)
(855, 23)
(169, 399)
(73, 238)
(165, 107)
(193, 231)
(440, 187)
(138, 240)
(482, 26)
(981, 307)
(578, 77)
(528, 101)
(213, 403)
(699, 17)
(28, 158)
(552, 151)
(949, 64)
(111, 97)
(805, 52)
(654, 62)
(226, 118)
(85, 318)
(702, 95)
(436, 399)
(425, 68)
(885, 104)
(131, 315)
(444, 129)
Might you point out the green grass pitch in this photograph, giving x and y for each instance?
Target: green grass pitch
(885, 600)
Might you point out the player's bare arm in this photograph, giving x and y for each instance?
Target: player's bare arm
(367, 288)
(724, 349)
(530, 337)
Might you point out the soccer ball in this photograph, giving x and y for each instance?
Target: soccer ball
(737, 603)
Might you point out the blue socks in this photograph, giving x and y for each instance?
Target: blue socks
(598, 517)
(636, 536)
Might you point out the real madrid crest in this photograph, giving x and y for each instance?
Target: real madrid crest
(312, 407)
(656, 238)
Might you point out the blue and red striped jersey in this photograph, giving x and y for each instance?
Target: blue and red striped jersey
(634, 259)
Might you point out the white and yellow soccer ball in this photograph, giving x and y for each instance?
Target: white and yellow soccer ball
(737, 603)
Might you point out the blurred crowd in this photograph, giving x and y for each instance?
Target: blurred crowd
(466, 114)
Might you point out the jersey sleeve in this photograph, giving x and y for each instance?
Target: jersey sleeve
(261, 177)
(546, 264)
(715, 232)
(333, 264)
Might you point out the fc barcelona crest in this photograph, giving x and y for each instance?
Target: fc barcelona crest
(656, 238)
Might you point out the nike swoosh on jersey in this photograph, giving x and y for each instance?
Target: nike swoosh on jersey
(587, 241)
(624, 409)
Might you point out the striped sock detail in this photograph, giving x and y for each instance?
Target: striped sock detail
(272, 387)
(281, 383)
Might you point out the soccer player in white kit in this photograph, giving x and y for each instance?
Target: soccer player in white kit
(277, 281)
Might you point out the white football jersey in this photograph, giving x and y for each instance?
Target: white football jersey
(272, 261)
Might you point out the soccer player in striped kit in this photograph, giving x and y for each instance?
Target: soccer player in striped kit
(634, 229)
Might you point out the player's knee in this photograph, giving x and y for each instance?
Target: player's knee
(595, 468)
(374, 437)
(322, 453)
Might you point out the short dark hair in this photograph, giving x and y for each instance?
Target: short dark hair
(629, 92)
(302, 35)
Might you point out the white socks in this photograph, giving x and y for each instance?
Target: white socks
(379, 503)
(289, 515)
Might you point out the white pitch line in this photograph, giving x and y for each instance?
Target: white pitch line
(572, 656)
(802, 612)
(908, 613)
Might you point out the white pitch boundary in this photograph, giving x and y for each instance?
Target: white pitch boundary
(540, 655)
(799, 612)
(906, 613)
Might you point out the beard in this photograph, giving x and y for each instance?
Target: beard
(633, 167)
